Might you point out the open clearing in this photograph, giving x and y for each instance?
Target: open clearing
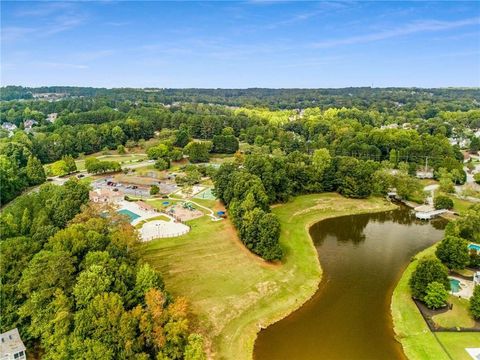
(232, 292)
(418, 341)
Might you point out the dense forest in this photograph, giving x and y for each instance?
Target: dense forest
(449, 99)
(91, 120)
(74, 284)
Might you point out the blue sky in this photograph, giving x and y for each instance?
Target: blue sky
(240, 44)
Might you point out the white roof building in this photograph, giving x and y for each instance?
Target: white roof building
(9, 126)
(52, 117)
(105, 195)
(11, 346)
(29, 123)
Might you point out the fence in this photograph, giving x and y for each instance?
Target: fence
(170, 235)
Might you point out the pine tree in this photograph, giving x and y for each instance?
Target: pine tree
(35, 171)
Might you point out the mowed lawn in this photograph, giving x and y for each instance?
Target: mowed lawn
(233, 293)
(418, 342)
(123, 159)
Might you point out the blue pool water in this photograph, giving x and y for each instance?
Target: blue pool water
(129, 213)
(454, 285)
(474, 247)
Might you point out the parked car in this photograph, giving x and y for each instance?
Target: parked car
(115, 189)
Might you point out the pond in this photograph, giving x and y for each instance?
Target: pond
(362, 257)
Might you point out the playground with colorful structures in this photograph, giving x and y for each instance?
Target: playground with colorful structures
(184, 211)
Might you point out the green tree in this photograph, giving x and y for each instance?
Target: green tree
(476, 177)
(118, 135)
(428, 270)
(59, 168)
(475, 303)
(26, 222)
(147, 278)
(194, 348)
(161, 151)
(394, 157)
(35, 172)
(70, 164)
(475, 145)
(453, 252)
(198, 151)
(154, 190)
(436, 295)
(90, 283)
(321, 160)
(182, 138)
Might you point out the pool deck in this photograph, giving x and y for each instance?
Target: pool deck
(135, 208)
(466, 288)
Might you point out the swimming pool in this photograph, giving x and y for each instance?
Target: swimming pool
(454, 285)
(129, 213)
(474, 247)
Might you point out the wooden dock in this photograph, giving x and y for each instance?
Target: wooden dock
(427, 215)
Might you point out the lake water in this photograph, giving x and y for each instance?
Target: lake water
(362, 257)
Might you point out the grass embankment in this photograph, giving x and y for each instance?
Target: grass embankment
(232, 292)
(418, 342)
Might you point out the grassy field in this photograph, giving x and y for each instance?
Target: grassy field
(418, 342)
(455, 343)
(123, 159)
(460, 205)
(458, 316)
(233, 293)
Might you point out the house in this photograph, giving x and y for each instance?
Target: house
(425, 174)
(28, 124)
(52, 117)
(9, 126)
(11, 346)
(105, 196)
(389, 126)
(461, 142)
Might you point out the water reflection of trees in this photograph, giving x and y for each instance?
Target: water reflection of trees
(352, 227)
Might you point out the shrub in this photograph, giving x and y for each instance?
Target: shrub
(436, 295)
(162, 164)
(428, 270)
(121, 149)
(443, 202)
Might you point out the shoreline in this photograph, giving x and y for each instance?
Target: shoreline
(313, 290)
(410, 329)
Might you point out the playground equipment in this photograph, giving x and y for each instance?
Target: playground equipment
(221, 214)
(188, 206)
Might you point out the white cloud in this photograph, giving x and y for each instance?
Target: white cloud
(58, 65)
(412, 28)
(45, 19)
